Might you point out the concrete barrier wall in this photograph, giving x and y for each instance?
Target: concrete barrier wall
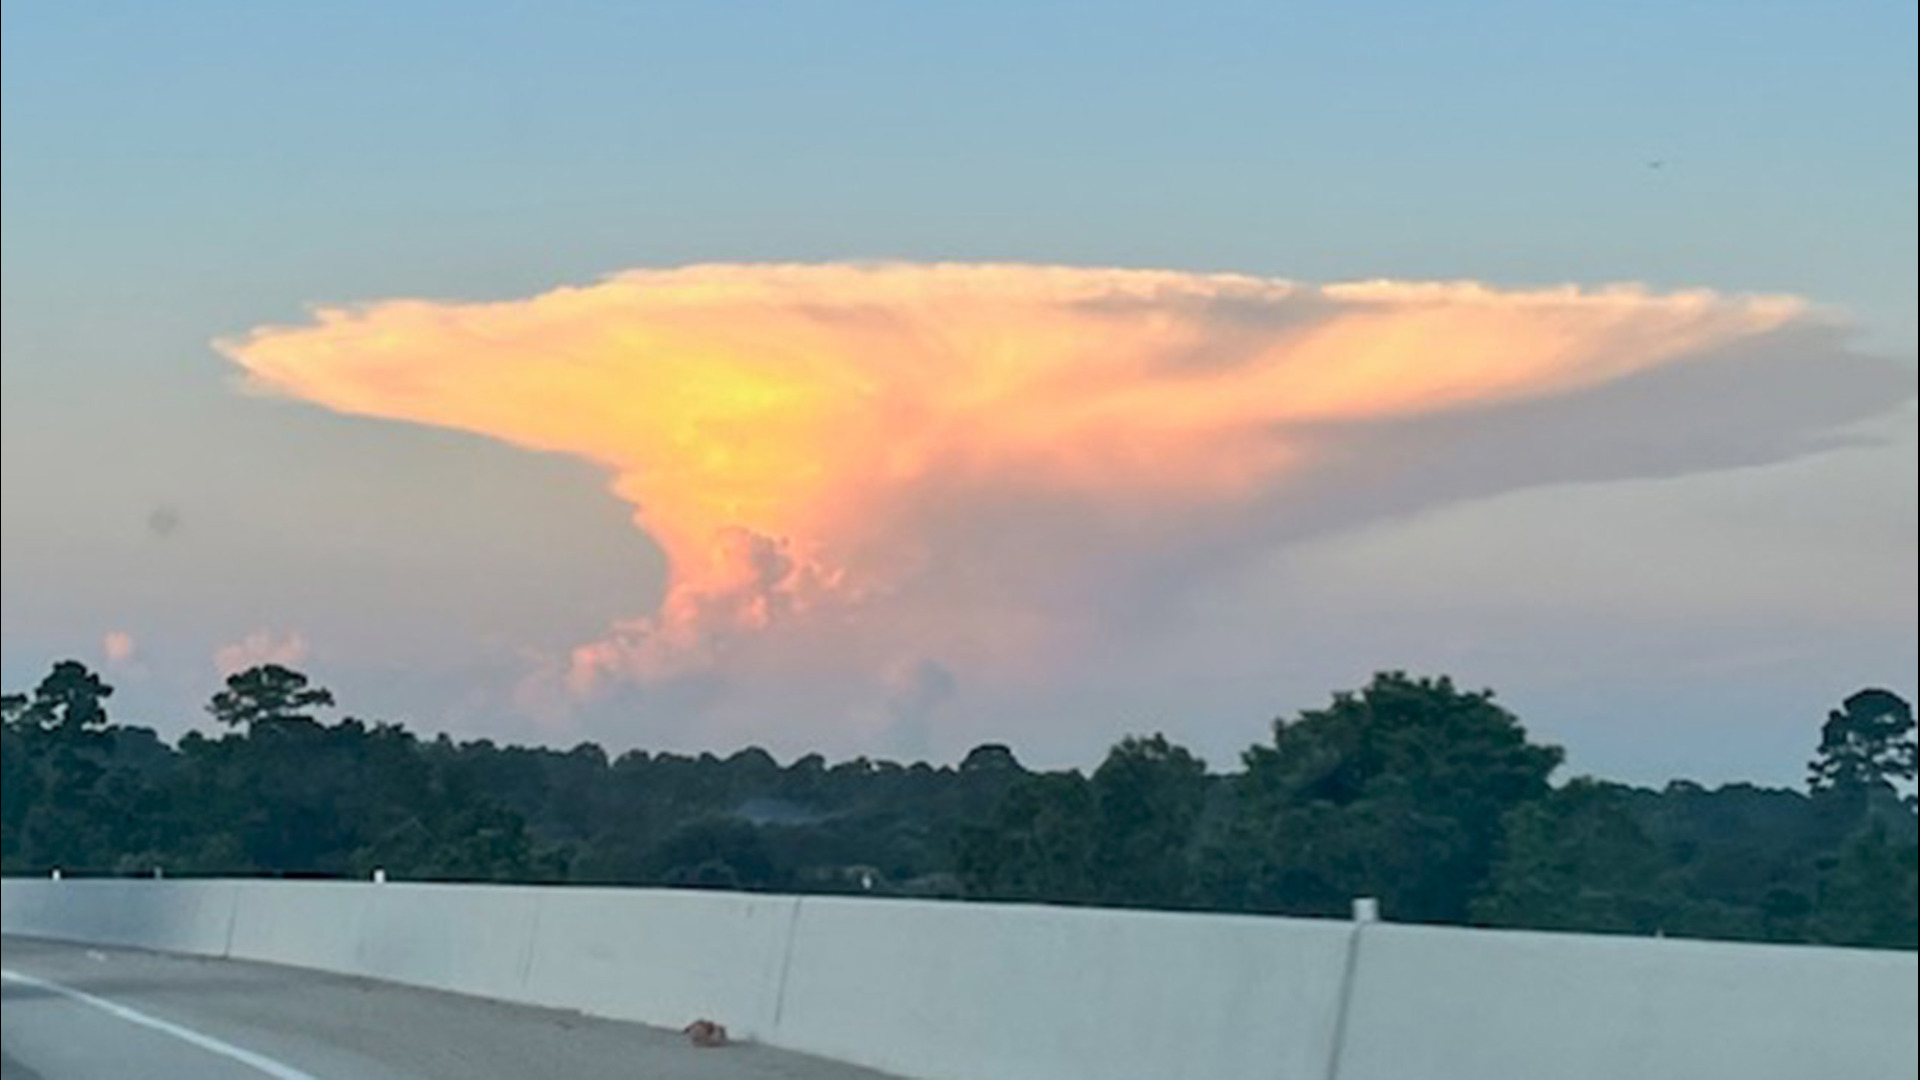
(663, 957)
(1444, 1003)
(196, 920)
(993, 992)
(191, 918)
(444, 937)
(944, 990)
(447, 937)
(301, 924)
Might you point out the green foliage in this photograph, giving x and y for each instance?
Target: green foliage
(1870, 893)
(1147, 796)
(1038, 845)
(1577, 860)
(1867, 751)
(267, 694)
(715, 853)
(70, 700)
(1410, 790)
(1122, 837)
(66, 804)
(1397, 791)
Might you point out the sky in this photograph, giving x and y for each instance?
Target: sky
(885, 379)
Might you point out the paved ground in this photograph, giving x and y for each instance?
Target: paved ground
(77, 1013)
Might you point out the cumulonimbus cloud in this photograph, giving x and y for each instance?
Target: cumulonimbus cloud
(840, 447)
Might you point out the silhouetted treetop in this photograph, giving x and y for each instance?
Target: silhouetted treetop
(267, 694)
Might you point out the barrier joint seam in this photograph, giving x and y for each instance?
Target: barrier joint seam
(786, 963)
(233, 916)
(1349, 974)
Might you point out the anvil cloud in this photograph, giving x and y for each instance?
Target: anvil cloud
(913, 468)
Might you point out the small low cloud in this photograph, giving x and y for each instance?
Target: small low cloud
(118, 647)
(260, 647)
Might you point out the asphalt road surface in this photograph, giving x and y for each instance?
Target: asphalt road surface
(70, 1012)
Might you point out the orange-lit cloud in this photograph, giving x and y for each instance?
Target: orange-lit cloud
(117, 646)
(805, 443)
(260, 647)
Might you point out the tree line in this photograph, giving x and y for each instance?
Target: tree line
(1431, 798)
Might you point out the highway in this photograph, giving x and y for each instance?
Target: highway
(85, 1013)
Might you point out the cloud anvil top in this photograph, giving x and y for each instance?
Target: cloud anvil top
(825, 446)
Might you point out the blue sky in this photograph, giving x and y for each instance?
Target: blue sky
(486, 148)
(178, 173)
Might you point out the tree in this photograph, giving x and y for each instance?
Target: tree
(70, 700)
(1577, 860)
(1396, 791)
(1148, 795)
(715, 853)
(1866, 744)
(1741, 861)
(990, 757)
(267, 695)
(1868, 896)
(62, 812)
(19, 786)
(1038, 845)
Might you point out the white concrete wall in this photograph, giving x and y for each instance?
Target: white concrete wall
(663, 957)
(446, 937)
(1451, 1003)
(312, 924)
(960, 991)
(172, 917)
(944, 990)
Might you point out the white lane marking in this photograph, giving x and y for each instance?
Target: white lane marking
(187, 1035)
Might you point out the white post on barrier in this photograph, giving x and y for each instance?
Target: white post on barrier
(56, 873)
(1366, 909)
(379, 875)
